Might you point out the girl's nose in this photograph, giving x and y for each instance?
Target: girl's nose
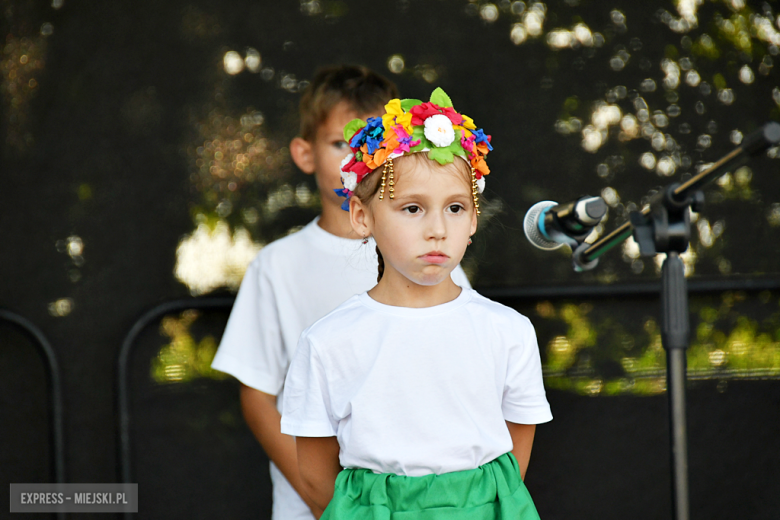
(437, 229)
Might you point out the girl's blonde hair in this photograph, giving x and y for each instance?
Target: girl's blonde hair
(367, 188)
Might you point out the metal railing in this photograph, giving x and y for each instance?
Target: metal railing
(504, 295)
(54, 383)
(642, 289)
(56, 413)
(225, 303)
(124, 360)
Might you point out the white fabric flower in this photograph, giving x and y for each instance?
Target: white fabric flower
(350, 180)
(439, 131)
(481, 184)
(347, 159)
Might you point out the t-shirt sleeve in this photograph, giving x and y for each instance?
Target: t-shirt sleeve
(252, 348)
(524, 400)
(306, 411)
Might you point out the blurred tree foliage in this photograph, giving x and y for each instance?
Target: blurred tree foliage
(580, 97)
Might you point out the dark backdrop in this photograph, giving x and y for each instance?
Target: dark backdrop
(144, 159)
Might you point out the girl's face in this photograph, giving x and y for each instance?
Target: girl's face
(424, 231)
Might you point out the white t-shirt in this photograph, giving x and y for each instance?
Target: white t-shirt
(292, 283)
(416, 391)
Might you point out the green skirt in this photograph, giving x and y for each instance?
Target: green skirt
(490, 492)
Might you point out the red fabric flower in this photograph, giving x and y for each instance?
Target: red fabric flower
(454, 116)
(422, 112)
(361, 169)
(348, 167)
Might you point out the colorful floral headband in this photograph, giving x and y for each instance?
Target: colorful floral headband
(410, 126)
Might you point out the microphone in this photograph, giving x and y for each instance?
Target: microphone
(549, 225)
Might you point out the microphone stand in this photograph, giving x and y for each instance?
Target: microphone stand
(664, 226)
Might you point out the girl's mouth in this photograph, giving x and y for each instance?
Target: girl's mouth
(434, 257)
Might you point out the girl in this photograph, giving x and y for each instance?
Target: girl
(428, 394)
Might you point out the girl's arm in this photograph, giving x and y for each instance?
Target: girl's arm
(318, 462)
(522, 441)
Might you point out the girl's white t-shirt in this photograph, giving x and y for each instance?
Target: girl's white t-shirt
(416, 391)
(290, 284)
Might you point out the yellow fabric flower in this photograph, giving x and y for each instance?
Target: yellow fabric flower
(393, 109)
(405, 120)
(468, 123)
(396, 116)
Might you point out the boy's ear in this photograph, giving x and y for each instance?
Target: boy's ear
(359, 217)
(302, 155)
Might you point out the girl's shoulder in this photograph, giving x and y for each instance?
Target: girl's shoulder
(484, 306)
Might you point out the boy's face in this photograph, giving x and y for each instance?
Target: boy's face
(329, 149)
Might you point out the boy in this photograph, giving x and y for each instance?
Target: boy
(298, 279)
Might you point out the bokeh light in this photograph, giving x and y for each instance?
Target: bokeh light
(233, 62)
(212, 258)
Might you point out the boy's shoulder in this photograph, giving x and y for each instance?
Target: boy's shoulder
(280, 249)
(348, 312)
(294, 240)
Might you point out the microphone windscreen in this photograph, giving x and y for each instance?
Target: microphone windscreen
(531, 226)
(760, 140)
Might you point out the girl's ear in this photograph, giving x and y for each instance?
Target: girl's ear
(473, 222)
(302, 155)
(359, 217)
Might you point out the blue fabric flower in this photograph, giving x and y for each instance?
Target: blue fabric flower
(480, 137)
(344, 192)
(373, 143)
(357, 139)
(371, 135)
(373, 124)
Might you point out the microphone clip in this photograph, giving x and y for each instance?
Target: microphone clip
(667, 227)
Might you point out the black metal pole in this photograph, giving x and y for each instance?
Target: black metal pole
(675, 332)
(663, 226)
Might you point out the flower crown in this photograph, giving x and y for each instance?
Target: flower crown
(411, 126)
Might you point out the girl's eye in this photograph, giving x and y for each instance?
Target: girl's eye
(456, 208)
(412, 209)
(340, 145)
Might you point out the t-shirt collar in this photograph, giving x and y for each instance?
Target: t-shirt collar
(329, 242)
(417, 312)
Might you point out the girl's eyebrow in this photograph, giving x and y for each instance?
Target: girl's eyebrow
(407, 196)
(424, 196)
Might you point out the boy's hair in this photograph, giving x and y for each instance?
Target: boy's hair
(363, 89)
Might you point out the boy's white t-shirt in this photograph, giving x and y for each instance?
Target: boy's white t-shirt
(416, 391)
(290, 284)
